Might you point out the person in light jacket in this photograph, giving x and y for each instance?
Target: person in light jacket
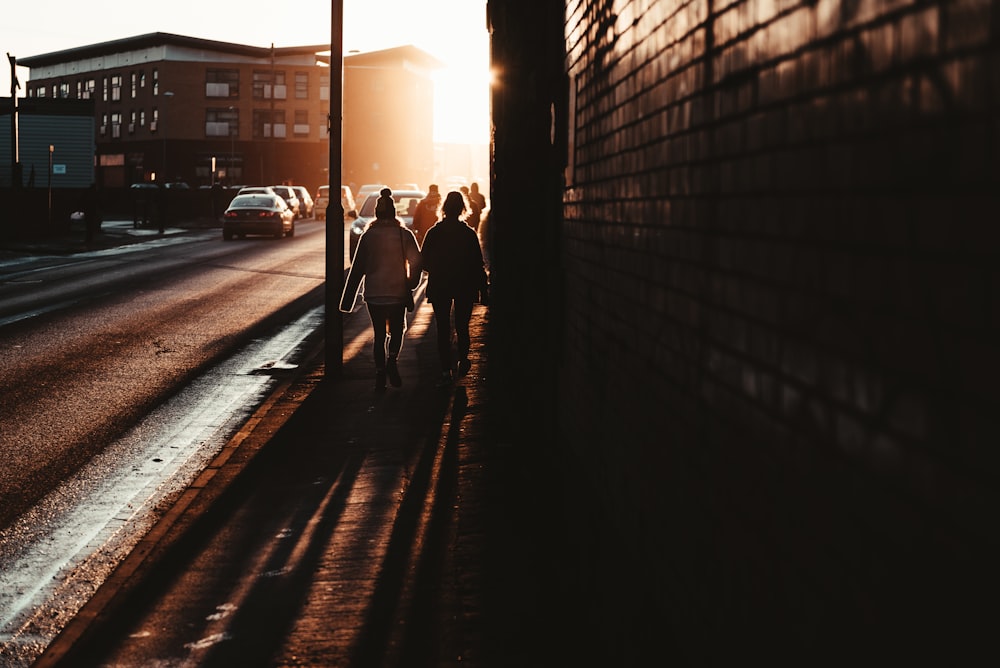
(388, 260)
(456, 275)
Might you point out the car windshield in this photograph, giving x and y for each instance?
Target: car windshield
(324, 191)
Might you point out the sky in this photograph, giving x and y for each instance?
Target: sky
(453, 31)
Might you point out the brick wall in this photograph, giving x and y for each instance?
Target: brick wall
(778, 388)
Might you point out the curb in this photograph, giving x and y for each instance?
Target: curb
(180, 525)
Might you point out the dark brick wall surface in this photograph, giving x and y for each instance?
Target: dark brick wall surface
(778, 365)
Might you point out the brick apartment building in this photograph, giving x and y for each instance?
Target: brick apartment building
(169, 107)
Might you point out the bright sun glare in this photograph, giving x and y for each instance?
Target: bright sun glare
(454, 32)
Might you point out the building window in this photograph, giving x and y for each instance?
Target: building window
(131, 122)
(104, 88)
(324, 86)
(156, 81)
(116, 124)
(301, 126)
(222, 122)
(301, 85)
(86, 91)
(222, 83)
(266, 124)
(265, 85)
(155, 119)
(142, 118)
(142, 78)
(134, 79)
(64, 90)
(116, 87)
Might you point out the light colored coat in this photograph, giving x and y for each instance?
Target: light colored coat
(388, 260)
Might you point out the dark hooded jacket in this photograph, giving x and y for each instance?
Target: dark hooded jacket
(426, 214)
(453, 260)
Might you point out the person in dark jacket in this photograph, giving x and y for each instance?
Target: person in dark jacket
(388, 259)
(426, 213)
(456, 275)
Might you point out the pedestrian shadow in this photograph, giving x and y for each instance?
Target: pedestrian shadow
(403, 618)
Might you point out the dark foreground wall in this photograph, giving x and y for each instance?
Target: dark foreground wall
(775, 281)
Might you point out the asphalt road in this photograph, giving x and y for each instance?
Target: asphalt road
(92, 342)
(123, 367)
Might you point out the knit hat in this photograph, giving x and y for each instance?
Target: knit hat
(385, 207)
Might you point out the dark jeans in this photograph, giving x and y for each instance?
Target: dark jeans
(389, 323)
(442, 317)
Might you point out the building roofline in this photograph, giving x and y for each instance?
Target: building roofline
(406, 52)
(154, 39)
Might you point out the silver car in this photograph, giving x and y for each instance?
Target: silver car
(306, 206)
(291, 198)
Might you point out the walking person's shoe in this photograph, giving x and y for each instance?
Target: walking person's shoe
(380, 380)
(393, 372)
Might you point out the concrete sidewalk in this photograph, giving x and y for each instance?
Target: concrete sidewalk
(488, 599)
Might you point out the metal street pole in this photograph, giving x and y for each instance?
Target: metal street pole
(271, 169)
(163, 130)
(15, 157)
(334, 208)
(232, 148)
(51, 149)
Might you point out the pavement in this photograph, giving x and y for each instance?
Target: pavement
(494, 580)
(113, 233)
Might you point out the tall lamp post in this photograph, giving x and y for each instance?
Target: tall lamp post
(335, 210)
(163, 128)
(232, 148)
(15, 157)
(51, 149)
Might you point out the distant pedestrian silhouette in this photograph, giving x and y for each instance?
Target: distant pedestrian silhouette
(388, 260)
(477, 198)
(475, 211)
(456, 276)
(427, 212)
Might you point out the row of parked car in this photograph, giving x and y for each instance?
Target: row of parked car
(296, 197)
(273, 210)
(266, 210)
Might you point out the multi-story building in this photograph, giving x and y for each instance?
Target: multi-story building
(169, 107)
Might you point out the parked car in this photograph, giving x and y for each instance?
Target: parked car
(323, 201)
(406, 203)
(290, 198)
(306, 206)
(258, 213)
